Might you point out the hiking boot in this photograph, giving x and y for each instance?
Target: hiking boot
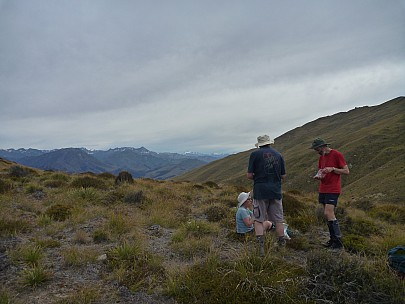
(328, 243)
(337, 244)
(281, 241)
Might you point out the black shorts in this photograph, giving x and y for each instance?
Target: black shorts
(328, 198)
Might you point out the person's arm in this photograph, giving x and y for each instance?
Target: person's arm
(250, 175)
(248, 221)
(341, 171)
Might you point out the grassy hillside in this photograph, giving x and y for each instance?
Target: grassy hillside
(85, 239)
(371, 138)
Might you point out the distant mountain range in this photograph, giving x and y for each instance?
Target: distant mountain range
(140, 162)
(371, 138)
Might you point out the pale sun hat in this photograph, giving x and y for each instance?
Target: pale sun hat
(263, 140)
(242, 197)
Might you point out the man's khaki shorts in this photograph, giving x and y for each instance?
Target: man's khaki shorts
(268, 210)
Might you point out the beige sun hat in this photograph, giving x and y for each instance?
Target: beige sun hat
(263, 140)
(242, 197)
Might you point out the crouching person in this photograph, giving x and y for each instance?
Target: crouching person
(244, 220)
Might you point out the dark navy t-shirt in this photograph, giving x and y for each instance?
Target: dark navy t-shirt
(268, 166)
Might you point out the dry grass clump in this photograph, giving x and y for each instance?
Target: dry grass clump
(135, 267)
(177, 241)
(5, 186)
(343, 278)
(85, 295)
(59, 212)
(77, 256)
(88, 182)
(246, 279)
(12, 226)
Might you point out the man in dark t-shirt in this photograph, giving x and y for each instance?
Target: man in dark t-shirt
(267, 170)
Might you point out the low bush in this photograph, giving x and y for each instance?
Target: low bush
(350, 279)
(35, 276)
(362, 204)
(18, 171)
(124, 177)
(293, 206)
(135, 197)
(250, 278)
(100, 236)
(59, 212)
(88, 182)
(355, 243)
(85, 295)
(134, 267)
(304, 221)
(10, 225)
(216, 213)
(211, 184)
(361, 226)
(389, 212)
(5, 186)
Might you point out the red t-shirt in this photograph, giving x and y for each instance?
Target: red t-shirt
(331, 182)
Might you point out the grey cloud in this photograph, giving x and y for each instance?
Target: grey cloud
(186, 69)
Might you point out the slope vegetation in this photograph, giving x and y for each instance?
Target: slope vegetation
(371, 138)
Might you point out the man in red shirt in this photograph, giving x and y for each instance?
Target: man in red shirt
(331, 166)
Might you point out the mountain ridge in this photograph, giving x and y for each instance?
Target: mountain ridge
(140, 162)
(372, 139)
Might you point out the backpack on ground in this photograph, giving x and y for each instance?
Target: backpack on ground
(396, 259)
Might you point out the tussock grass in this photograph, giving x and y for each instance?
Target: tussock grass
(77, 256)
(268, 280)
(343, 278)
(135, 267)
(35, 276)
(195, 256)
(85, 295)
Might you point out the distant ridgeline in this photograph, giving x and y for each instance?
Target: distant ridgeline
(372, 140)
(140, 162)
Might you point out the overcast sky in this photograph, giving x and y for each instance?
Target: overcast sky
(202, 76)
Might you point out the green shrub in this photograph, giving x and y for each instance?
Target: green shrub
(124, 177)
(216, 213)
(389, 212)
(100, 236)
(134, 267)
(11, 226)
(106, 175)
(360, 226)
(85, 295)
(355, 243)
(362, 204)
(32, 188)
(135, 197)
(198, 228)
(6, 297)
(304, 221)
(292, 205)
(59, 212)
(18, 171)
(54, 183)
(350, 279)
(299, 243)
(87, 194)
(112, 197)
(211, 184)
(248, 279)
(35, 276)
(88, 182)
(5, 186)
